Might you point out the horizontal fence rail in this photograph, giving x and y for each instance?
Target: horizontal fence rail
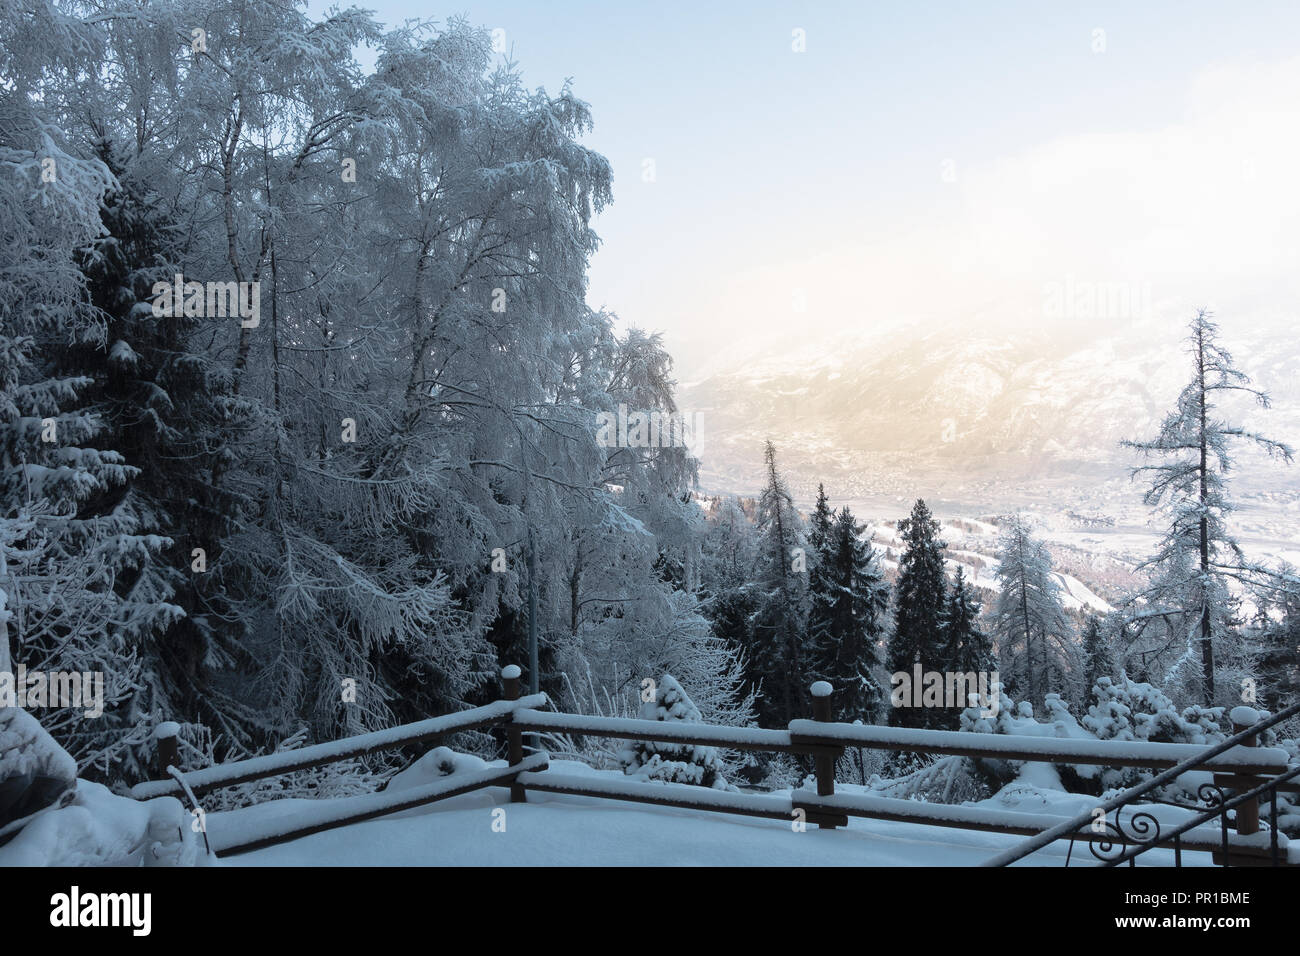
(1109, 753)
(272, 765)
(331, 814)
(628, 728)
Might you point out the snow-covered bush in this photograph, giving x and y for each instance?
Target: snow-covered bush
(50, 818)
(1124, 710)
(35, 772)
(669, 762)
(344, 778)
(946, 780)
(781, 772)
(1130, 710)
(100, 828)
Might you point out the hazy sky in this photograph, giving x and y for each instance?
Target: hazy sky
(924, 160)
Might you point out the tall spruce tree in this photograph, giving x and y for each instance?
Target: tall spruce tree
(776, 655)
(967, 648)
(855, 604)
(919, 599)
(821, 583)
(169, 412)
(1097, 659)
(819, 524)
(69, 559)
(1278, 642)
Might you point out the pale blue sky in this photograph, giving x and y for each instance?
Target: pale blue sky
(820, 175)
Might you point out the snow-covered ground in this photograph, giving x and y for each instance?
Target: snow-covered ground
(563, 830)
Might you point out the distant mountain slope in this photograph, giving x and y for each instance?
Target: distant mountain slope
(966, 410)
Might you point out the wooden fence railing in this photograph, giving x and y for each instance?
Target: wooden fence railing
(820, 738)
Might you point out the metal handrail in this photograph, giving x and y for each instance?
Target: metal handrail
(1206, 816)
(1009, 856)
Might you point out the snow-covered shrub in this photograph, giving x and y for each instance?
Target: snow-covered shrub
(1130, 710)
(902, 763)
(35, 772)
(669, 762)
(344, 778)
(1018, 718)
(859, 764)
(782, 772)
(1124, 710)
(100, 828)
(947, 780)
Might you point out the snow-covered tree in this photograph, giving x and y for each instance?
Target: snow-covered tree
(776, 656)
(919, 600)
(695, 764)
(333, 515)
(1098, 662)
(967, 648)
(1277, 641)
(1035, 638)
(1198, 556)
(70, 555)
(848, 601)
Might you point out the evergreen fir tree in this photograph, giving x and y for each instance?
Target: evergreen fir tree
(775, 657)
(70, 557)
(823, 573)
(1097, 660)
(819, 524)
(669, 762)
(856, 602)
(1279, 643)
(967, 648)
(169, 413)
(919, 599)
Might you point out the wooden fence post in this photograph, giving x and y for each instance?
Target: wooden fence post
(168, 751)
(1247, 813)
(514, 737)
(825, 764)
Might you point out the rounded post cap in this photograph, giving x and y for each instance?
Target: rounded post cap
(821, 688)
(168, 728)
(1244, 716)
(511, 672)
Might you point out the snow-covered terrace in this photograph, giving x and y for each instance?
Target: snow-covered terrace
(566, 830)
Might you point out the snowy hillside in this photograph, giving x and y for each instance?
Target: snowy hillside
(980, 416)
(973, 546)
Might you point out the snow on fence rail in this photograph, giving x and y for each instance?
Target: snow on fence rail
(819, 738)
(629, 728)
(1110, 753)
(271, 765)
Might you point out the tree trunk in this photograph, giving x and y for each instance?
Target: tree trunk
(1207, 644)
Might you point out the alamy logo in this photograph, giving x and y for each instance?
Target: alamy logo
(213, 300)
(953, 689)
(653, 429)
(1081, 299)
(32, 689)
(74, 909)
